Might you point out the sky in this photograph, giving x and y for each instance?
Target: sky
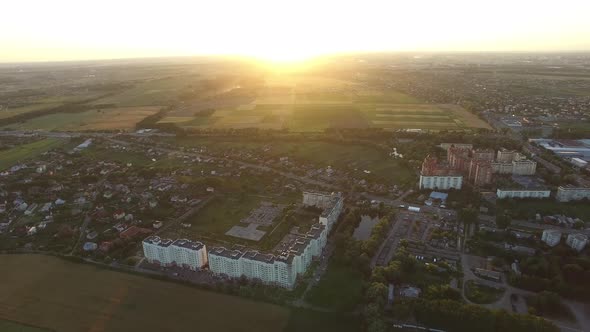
(287, 30)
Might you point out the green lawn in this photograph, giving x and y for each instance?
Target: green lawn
(482, 294)
(340, 289)
(21, 153)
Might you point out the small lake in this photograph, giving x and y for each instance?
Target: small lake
(363, 231)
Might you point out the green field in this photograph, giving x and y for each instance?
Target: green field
(320, 153)
(527, 209)
(21, 153)
(7, 113)
(63, 296)
(482, 294)
(123, 118)
(156, 92)
(220, 214)
(340, 288)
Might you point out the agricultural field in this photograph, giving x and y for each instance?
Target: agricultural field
(56, 295)
(154, 92)
(21, 153)
(7, 326)
(10, 112)
(63, 296)
(122, 118)
(323, 114)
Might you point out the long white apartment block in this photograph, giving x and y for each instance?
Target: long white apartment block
(281, 269)
(182, 252)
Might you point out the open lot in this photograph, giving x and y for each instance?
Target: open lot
(122, 118)
(21, 153)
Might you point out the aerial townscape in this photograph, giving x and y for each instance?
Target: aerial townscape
(296, 166)
(365, 192)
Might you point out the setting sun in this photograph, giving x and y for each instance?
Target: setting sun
(284, 31)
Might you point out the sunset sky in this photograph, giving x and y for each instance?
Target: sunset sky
(39, 30)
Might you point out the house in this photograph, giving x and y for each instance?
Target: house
(105, 246)
(119, 214)
(133, 232)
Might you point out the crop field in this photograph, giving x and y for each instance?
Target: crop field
(21, 153)
(156, 92)
(10, 112)
(8, 326)
(63, 296)
(323, 113)
(123, 118)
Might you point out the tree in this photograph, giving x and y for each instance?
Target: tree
(468, 216)
(503, 220)
(377, 294)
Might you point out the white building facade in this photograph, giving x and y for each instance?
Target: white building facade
(523, 193)
(182, 252)
(441, 182)
(566, 194)
(577, 241)
(551, 237)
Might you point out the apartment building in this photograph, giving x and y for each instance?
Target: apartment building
(569, 193)
(182, 252)
(551, 237)
(437, 176)
(523, 193)
(156, 251)
(188, 254)
(577, 241)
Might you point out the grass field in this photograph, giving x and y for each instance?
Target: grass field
(63, 296)
(316, 115)
(340, 289)
(482, 294)
(156, 92)
(21, 153)
(123, 118)
(10, 112)
(321, 153)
